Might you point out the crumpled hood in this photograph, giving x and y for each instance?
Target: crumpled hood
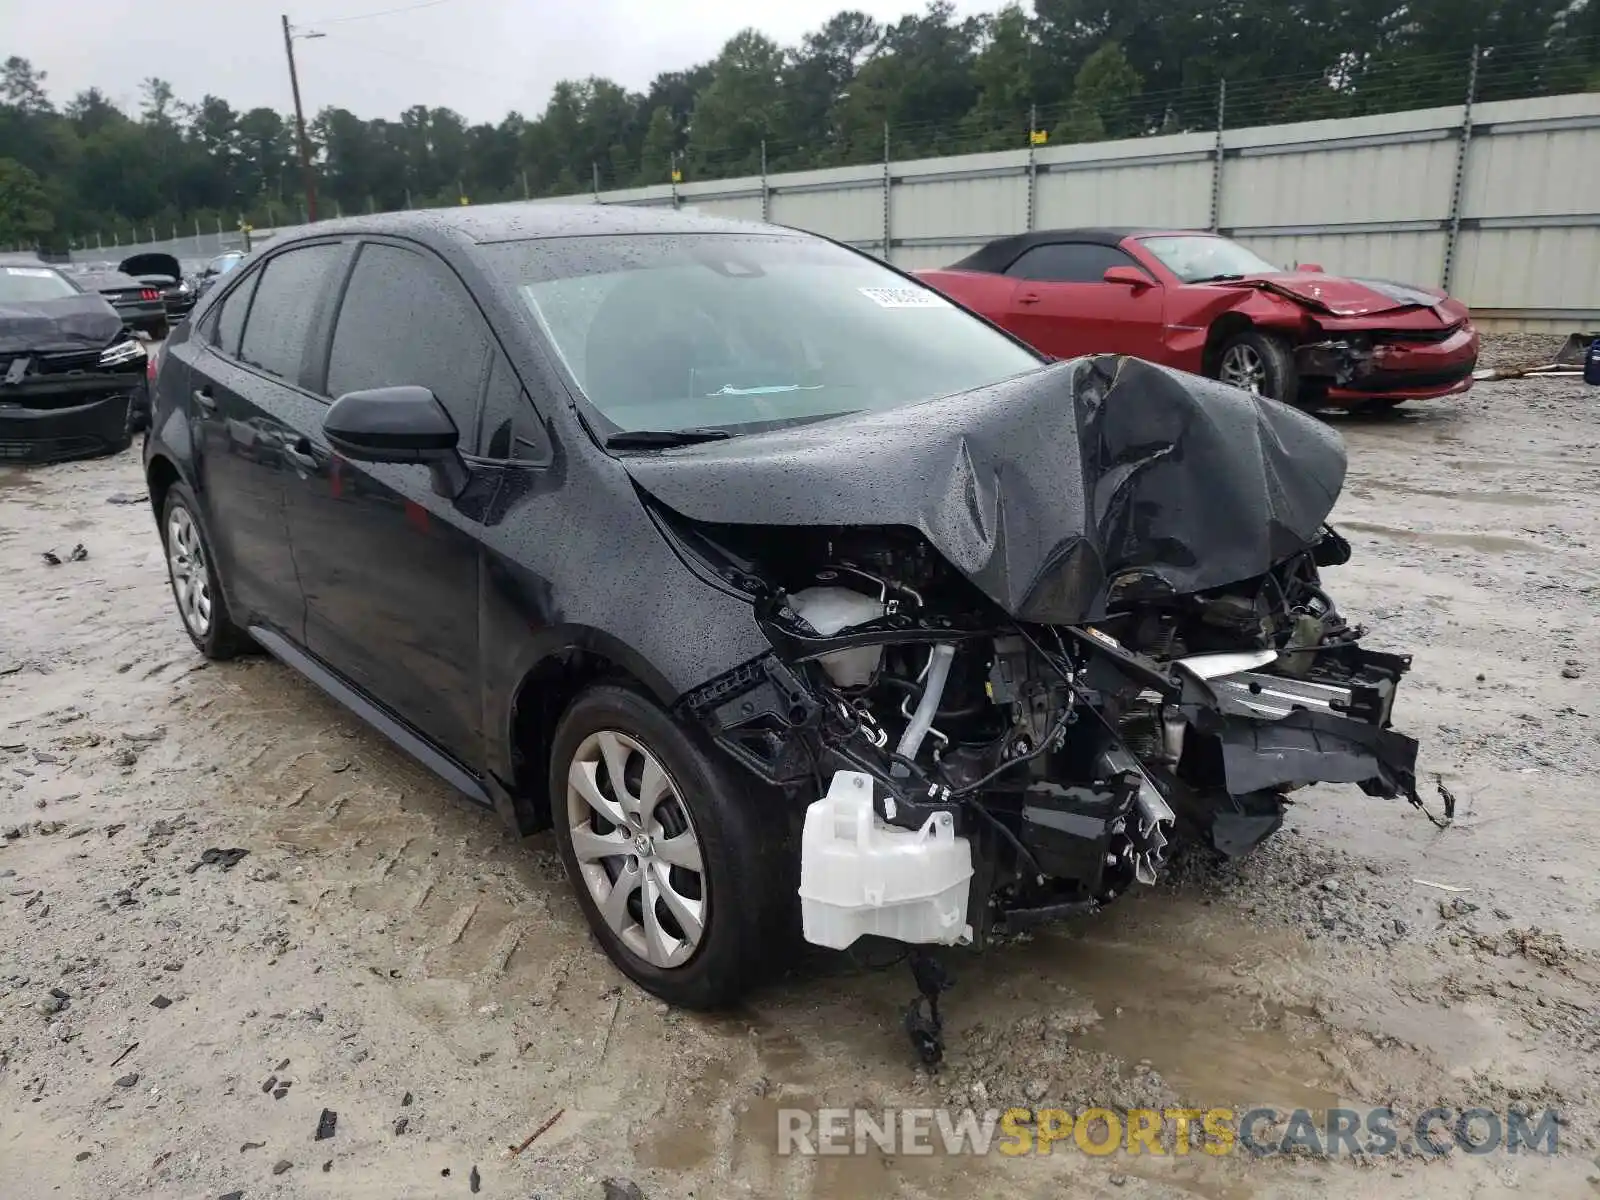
(83, 322)
(1340, 296)
(1041, 489)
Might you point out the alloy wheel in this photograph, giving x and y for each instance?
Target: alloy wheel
(191, 582)
(637, 848)
(1243, 367)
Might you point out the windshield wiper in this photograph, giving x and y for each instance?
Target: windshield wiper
(1218, 279)
(656, 439)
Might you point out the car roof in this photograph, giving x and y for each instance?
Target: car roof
(521, 221)
(104, 280)
(1002, 252)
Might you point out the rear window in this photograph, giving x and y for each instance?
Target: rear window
(27, 285)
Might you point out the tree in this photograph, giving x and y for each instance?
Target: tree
(90, 111)
(919, 82)
(1003, 76)
(22, 87)
(660, 148)
(819, 74)
(24, 205)
(741, 105)
(1102, 98)
(159, 104)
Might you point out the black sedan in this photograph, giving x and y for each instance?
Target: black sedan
(72, 383)
(164, 273)
(138, 304)
(794, 597)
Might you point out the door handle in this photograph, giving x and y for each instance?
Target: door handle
(301, 455)
(204, 398)
(1029, 298)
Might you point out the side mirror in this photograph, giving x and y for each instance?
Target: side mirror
(399, 425)
(1312, 268)
(1129, 276)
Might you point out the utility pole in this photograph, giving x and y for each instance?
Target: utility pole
(300, 122)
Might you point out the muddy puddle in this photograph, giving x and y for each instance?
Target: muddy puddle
(1487, 543)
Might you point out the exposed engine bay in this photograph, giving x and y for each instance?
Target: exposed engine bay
(1024, 638)
(1067, 757)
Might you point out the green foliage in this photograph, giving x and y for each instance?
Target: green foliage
(24, 205)
(933, 82)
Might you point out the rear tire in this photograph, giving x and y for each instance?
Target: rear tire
(1261, 363)
(708, 856)
(192, 571)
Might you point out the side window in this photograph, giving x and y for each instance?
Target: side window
(405, 321)
(1068, 262)
(279, 326)
(228, 324)
(511, 429)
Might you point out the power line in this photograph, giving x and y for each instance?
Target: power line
(386, 12)
(432, 64)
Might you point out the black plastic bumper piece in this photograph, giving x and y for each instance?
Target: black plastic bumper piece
(1314, 747)
(97, 425)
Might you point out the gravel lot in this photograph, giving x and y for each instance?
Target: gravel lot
(175, 1027)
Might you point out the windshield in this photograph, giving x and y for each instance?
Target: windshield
(1197, 257)
(224, 264)
(23, 285)
(742, 332)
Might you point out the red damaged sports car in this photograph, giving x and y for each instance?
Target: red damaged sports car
(1203, 303)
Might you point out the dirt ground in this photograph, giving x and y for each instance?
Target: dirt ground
(392, 955)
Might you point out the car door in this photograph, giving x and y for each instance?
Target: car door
(243, 370)
(1062, 305)
(390, 568)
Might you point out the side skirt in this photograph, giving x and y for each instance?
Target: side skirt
(395, 730)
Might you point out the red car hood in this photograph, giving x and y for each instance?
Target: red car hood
(1346, 297)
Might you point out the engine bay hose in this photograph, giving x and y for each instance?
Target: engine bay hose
(939, 662)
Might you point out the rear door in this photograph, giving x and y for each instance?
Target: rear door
(1062, 305)
(243, 379)
(390, 568)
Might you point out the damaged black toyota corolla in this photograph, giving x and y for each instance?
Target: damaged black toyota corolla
(791, 593)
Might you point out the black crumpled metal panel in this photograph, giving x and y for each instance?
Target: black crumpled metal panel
(1045, 488)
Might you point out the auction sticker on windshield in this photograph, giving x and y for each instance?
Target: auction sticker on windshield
(904, 297)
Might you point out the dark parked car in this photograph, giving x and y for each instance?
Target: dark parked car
(769, 577)
(72, 383)
(138, 304)
(164, 273)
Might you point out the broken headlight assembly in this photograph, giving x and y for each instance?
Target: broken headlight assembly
(122, 352)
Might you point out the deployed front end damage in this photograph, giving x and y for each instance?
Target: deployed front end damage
(1023, 637)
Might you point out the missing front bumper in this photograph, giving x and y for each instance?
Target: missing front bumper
(61, 431)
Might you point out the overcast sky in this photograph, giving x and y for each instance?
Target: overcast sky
(479, 57)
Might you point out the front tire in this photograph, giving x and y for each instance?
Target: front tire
(192, 571)
(1260, 363)
(677, 872)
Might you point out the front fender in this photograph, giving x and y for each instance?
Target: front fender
(1193, 321)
